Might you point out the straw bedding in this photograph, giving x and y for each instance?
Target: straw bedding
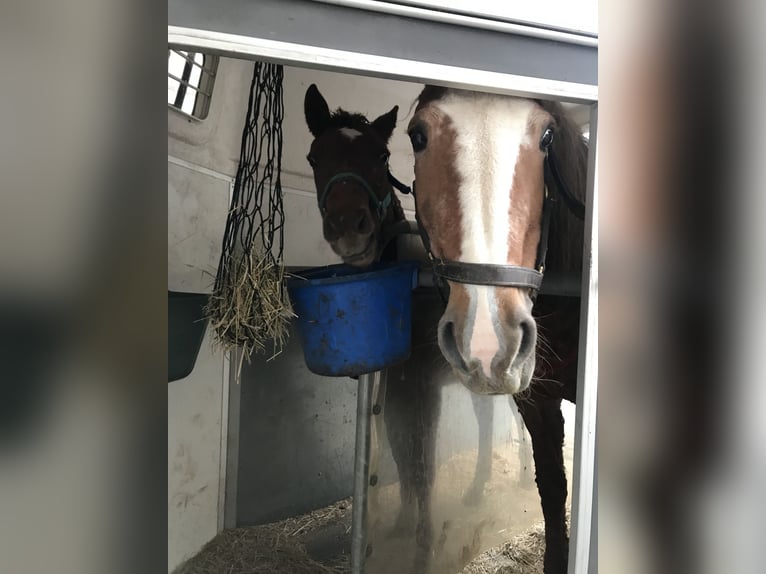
(280, 548)
(523, 554)
(277, 548)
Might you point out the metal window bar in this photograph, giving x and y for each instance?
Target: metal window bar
(186, 84)
(210, 71)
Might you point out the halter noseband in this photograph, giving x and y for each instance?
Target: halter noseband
(380, 205)
(509, 275)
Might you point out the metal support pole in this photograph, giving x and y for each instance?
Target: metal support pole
(361, 470)
(232, 441)
(583, 492)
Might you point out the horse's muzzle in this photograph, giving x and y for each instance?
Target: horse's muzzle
(506, 368)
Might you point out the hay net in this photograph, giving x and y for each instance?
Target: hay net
(249, 307)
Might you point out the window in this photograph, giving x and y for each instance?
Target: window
(190, 81)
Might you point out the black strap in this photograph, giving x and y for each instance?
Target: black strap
(545, 227)
(398, 184)
(556, 186)
(488, 274)
(380, 205)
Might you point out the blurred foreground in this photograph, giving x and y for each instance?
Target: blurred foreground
(682, 437)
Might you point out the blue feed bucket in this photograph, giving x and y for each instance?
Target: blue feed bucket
(354, 322)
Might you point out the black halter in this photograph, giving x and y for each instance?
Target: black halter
(380, 206)
(507, 275)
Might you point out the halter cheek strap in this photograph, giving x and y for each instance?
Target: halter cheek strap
(380, 205)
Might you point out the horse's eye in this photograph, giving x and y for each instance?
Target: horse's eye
(547, 139)
(418, 139)
(312, 161)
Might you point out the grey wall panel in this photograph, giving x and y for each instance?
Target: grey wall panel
(350, 29)
(296, 443)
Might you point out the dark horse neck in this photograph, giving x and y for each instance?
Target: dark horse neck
(391, 227)
(558, 317)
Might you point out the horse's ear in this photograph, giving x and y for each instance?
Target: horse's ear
(386, 123)
(316, 110)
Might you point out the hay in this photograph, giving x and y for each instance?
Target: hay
(250, 308)
(317, 519)
(279, 548)
(522, 554)
(276, 548)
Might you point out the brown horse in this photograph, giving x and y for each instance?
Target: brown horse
(482, 168)
(360, 213)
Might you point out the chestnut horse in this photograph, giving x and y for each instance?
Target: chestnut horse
(500, 183)
(360, 214)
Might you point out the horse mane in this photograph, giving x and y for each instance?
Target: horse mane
(429, 94)
(340, 118)
(565, 247)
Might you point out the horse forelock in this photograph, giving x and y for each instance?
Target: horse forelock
(343, 121)
(430, 94)
(352, 126)
(340, 118)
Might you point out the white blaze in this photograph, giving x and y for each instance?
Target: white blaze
(490, 131)
(484, 342)
(350, 133)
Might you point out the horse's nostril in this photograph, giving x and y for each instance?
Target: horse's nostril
(528, 332)
(331, 228)
(448, 345)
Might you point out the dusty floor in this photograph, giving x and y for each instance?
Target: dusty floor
(506, 519)
(463, 528)
(281, 548)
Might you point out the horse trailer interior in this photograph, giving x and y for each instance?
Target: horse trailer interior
(265, 450)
